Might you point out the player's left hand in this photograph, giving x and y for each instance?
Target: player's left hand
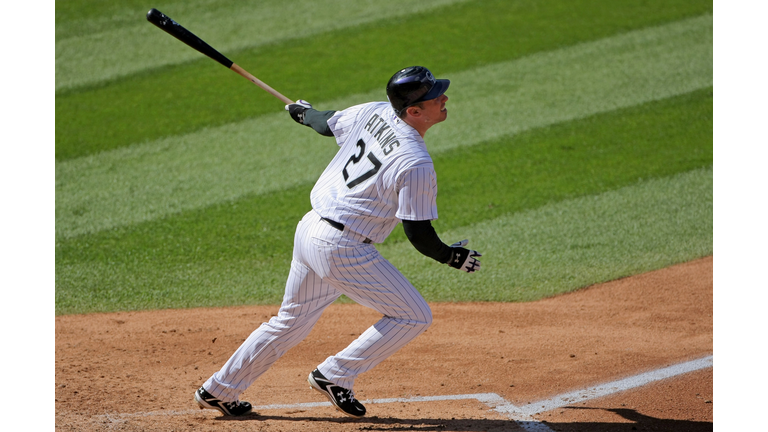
(464, 259)
(297, 110)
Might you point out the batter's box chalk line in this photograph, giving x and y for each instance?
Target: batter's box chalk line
(522, 415)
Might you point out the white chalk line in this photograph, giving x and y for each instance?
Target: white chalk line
(522, 415)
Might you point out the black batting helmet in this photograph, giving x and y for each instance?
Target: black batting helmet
(412, 85)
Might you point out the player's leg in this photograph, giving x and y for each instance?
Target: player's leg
(306, 297)
(361, 273)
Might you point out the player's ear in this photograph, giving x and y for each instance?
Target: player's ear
(413, 111)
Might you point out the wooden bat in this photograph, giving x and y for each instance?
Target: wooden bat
(173, 28)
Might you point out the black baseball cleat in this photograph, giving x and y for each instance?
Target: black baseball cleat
(343, 399)
(236, 408)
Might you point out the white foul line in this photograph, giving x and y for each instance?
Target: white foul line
(523, 416)
(610, 388)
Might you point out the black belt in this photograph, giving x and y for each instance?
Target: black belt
(333, 223)
(340, 227)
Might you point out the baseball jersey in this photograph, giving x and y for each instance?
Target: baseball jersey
(381, 174)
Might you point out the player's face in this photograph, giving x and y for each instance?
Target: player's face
(435, 110)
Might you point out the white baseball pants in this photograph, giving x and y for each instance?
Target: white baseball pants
(326, 264)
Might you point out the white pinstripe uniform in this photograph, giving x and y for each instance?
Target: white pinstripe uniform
(381, 174)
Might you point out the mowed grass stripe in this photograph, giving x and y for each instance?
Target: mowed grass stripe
(190, 96)
(571, 244)
(238, 252)
(270, 153)
(96, 49)
(527, 256)
(546, 88)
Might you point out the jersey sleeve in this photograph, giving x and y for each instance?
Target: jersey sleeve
(417, 194)
(342, 123)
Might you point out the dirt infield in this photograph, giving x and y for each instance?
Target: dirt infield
(137, 371)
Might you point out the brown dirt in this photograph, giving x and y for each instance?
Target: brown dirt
(137, 371)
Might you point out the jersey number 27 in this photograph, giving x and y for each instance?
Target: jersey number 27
(354, 159)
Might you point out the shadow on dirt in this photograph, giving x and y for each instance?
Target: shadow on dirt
(637, 422)
(375, 423)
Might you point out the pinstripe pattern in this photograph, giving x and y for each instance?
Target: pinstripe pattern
(382, 173)
(372, 208)
(327, 263)
(306, 297)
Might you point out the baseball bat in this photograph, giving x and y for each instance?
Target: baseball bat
(165, 23)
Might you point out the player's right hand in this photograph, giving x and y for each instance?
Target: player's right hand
(297, 110)
(464, 259)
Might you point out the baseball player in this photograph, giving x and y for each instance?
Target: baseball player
(381, 175)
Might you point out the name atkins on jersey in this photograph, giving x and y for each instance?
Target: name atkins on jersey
(383, 134)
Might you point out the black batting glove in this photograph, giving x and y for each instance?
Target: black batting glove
(297, 110)
(464, 259)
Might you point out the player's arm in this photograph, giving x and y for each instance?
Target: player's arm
(416, 193)
(303, 113)
(423, 237)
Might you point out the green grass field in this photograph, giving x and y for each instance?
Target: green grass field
(578, 147)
